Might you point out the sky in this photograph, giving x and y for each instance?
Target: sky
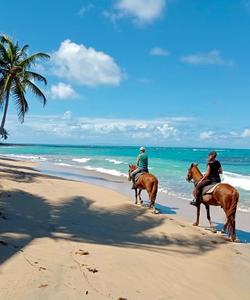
(136, 72)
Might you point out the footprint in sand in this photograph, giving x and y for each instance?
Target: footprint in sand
(93, 270)
(43, 285)
(82, 252)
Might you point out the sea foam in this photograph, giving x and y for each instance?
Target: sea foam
(237, 180)
(81, 160)
(114, 161)
(106, 171)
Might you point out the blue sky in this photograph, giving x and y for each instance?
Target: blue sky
(132, 72)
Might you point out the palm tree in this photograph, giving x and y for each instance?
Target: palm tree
(16, 78)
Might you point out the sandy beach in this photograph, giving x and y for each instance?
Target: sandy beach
(64, 239)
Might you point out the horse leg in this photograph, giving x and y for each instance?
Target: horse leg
(208, 216)
(140, 199)
(231, 228)
(234, 231)
(136, 195)
(197, 215)
(224, 229)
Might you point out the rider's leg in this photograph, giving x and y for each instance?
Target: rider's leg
(133, 177)
(197, 192)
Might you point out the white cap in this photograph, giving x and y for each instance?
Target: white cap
(142, 149)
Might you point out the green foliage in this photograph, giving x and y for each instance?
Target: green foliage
(16, 78)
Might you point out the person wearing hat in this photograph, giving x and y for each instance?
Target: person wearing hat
(211, 176)
(142, 165)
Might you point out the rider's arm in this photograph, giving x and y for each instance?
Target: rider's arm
(220, 170)
(206, 174)
(138, 159)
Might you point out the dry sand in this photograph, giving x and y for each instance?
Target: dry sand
(63, 239)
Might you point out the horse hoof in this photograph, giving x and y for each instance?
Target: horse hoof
(229, 239)
(195, 224)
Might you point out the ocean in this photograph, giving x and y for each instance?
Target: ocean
(168, 164)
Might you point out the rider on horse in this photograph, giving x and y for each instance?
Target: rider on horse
(212, 175)
(142, 165)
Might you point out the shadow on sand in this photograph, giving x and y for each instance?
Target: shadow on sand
(25, 217)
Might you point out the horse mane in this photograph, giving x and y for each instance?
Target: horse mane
(193, 165)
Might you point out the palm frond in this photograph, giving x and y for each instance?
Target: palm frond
(22, 53)
(2, 92)
(18, 92)
(3, 53)
(31, 60)
(5, 84)
(5, 38)
(36, 76)
(36, 91)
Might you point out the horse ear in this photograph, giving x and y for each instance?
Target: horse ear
(196, 165)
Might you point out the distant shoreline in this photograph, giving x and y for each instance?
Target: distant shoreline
(122, 145)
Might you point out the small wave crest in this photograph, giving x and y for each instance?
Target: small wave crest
(81, 160)
(237, 180)
(63, 164)
(106, 171)
(244, 209)
(114, 161)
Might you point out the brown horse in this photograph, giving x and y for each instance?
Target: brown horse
(146, 182)
(224, 195)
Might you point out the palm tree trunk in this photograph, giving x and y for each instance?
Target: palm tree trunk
(5, 112)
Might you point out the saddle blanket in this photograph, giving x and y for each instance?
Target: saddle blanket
(209, 189)
(138, 175)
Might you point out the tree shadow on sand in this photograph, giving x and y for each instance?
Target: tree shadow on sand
(25, 217)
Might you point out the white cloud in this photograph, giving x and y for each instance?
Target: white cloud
(62, 91)
(96, 130)
(210, 58)
(207, 135)
(225, 135)
(246, 133)
(141, 11)
(157, 51)
(85, 66)
(84, 9)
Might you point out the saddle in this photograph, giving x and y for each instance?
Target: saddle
(209, 189)
(138, 175)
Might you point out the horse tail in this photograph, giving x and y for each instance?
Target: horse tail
(231, 214)
(154, 191)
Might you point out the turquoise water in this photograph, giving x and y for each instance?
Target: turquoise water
(168, 164)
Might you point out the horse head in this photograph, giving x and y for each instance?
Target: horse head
(130, 170)
(190, 173)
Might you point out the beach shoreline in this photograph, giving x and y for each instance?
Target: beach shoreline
(167, 204)
(66, 239)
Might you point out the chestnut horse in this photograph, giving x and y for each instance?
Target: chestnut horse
(146, 182)
(224, 195)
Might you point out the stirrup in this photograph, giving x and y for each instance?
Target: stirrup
(194, 202)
